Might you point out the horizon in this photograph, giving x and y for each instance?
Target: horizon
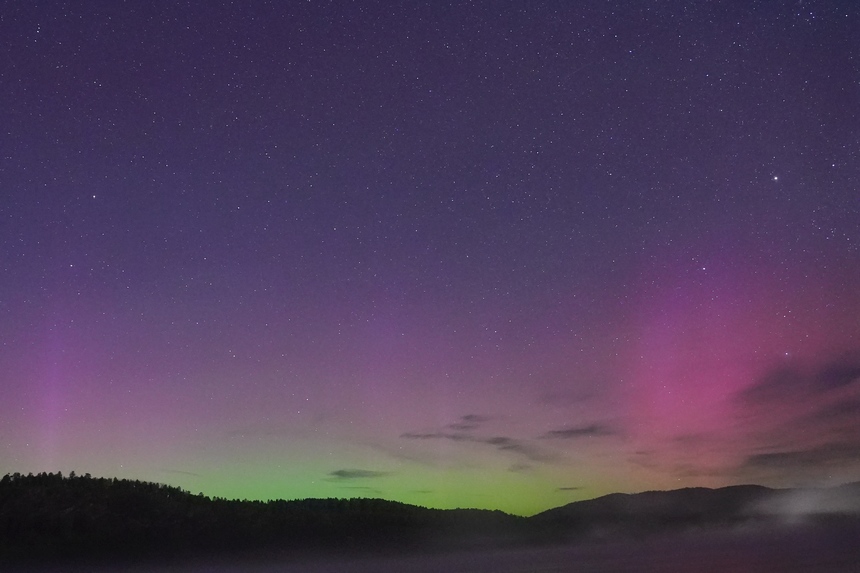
(497, 255)
(75, 475)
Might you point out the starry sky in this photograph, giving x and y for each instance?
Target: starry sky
(496, 254)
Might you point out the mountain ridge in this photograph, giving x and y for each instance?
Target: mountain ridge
(53, 517)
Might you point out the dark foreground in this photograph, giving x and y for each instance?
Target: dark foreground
(52, 523)
(796, 548)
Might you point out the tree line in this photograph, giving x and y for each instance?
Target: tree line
(50, 516)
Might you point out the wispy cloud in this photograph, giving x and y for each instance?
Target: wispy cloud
(792, 382)
(802, 418)
(841, 411)
(469, 422)
(346, 474)
(530, 452)
(823, 455)
(571, 433)
(778, 384)
(501, 443)
(456, 437)
(840, 374)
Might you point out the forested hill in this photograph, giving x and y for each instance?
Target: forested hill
(51, 516)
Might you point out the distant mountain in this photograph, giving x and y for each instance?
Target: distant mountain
(51, 517)
(659, 511)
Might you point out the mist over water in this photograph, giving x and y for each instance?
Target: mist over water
(799, 505)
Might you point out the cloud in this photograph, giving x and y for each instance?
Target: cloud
(801, 417)
(823, 455)
(501, 443)
(357, 474)
(699, 456)
(791, 382)
(530, 452)
(469, 422)
(569, 488)
(841, 411)
(457, 437)
(591, 431)
(777, 385)
(839, 374)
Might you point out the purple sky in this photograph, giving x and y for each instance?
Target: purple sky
(487, 254)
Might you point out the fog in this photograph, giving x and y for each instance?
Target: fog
(798, 505)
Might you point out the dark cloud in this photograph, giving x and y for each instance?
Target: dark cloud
(469, 422)
(839, 375)
(463, 426)
(502, 443)
(782, 460)
(792, 406)
(776, 385)
(592, 431)
(456, 437)
(842, 411)
(506, 444)
(789, 383)
(422, 436)
(357, 474)
(827, 454)
(570, 488)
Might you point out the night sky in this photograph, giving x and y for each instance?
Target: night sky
(483, 254)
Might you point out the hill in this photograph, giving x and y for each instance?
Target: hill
(50, 517)
(698, 508)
